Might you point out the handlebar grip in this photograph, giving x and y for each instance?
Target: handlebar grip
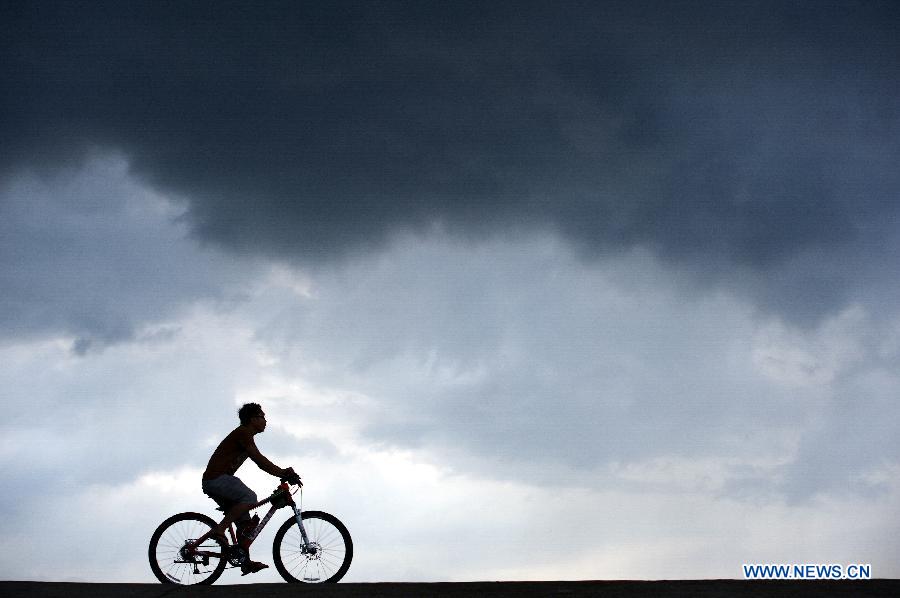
(292, 479)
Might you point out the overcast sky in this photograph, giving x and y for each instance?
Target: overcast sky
(528, 290)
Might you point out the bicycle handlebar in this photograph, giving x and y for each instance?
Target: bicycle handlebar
(293, 480)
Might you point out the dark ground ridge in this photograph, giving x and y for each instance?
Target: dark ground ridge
(708, 588)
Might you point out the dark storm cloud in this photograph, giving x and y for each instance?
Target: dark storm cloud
(93, 256)
(734, 135)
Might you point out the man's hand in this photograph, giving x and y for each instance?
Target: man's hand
(291, 476)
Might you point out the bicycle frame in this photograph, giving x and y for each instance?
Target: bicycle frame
(246, 542)
(309, 547)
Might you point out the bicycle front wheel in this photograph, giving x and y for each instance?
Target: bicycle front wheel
(172, 564)
(324, 560)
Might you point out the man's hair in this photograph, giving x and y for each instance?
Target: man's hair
(247, 411)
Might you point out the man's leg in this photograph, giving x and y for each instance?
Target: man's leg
(230, 490)
(233, 514)
(233, 489)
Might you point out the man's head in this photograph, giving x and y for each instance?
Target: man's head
(251, 414)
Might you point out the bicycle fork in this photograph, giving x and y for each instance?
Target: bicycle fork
(299, 517)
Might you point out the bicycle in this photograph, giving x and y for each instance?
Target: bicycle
(309, 547)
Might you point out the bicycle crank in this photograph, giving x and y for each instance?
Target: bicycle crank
(237, 556)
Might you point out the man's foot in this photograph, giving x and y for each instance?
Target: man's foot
(252, 567)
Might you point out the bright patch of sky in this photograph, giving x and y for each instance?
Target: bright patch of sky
(490, 409)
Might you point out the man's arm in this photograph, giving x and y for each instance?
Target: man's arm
(262, 462)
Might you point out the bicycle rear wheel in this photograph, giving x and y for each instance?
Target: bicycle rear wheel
(324, 560)
(171, 564)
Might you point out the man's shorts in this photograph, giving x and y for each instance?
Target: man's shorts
(228, 490)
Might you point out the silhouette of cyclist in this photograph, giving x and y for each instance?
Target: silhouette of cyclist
(229, 492)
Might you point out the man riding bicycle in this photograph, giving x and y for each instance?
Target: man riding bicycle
(221, 485)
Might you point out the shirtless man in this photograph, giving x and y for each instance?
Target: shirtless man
(220, 483)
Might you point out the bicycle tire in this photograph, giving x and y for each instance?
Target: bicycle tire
(332, 558)
(168, 540)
